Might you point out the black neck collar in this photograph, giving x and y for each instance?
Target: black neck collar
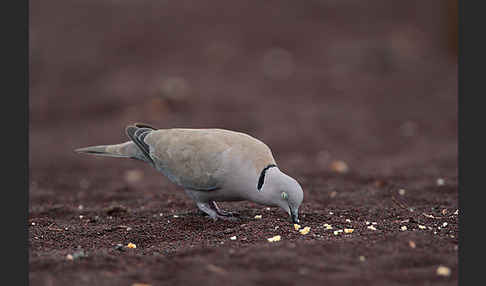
(261, 180)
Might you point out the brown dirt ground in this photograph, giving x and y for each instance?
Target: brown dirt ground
(368, 84)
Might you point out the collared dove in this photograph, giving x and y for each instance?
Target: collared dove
(212, 165)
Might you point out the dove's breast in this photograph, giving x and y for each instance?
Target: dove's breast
(204, 159)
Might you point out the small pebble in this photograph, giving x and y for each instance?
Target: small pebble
(69, 257)
(348, 220)
(444, 224)
(440, 182)
(403, 228)
(233, 237)
(412, 244)
(401, 192)
(362, 258)
(339, 166)
(296, 226)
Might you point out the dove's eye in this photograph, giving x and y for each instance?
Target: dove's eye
(284, 195)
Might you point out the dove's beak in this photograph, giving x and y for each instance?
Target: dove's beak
(294, 214)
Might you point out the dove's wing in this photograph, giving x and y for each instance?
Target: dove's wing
(198, 158)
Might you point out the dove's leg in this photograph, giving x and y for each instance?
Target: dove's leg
(211, 212)
(220, 211)
(206, 205)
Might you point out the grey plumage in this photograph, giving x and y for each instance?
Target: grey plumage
(211, 165)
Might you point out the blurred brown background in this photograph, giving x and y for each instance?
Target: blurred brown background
(362, 81)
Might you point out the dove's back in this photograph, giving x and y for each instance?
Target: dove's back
(200, 159)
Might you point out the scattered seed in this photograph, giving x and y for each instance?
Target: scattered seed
(175, 216)
(69, 257)
(233, 237)
(444, 212)
(421, 226)
(401, 192)
(362, 258)
(80, 207)
(444, 224)
(327, 226)
(456, 212)
(428, 215)
(443, 271)
(131, 245)
(372, 227)
(348, 220)
(258, 216)
(332, 194)
(305, 230)
(403, 228)
(348, 230)
(331, 213)
(336, 232)
(374, 223)
(275, 238)
(296, 226)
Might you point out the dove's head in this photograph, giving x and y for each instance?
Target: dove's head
(283, 191)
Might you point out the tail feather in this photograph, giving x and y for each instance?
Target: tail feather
(135, 149)
(124, 150)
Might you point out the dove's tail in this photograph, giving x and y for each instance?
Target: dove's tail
(135, 149)
(123, 150)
